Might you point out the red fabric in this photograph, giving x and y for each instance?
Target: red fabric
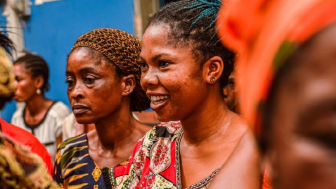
(25, 138)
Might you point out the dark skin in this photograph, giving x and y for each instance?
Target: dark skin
(37, 105)
(230, 95)
(211, 132)
(303, 140)
(97, 95)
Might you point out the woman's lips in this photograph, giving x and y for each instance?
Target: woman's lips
(79, 109)
(158, 101)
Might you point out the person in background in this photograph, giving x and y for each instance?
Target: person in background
(230, 94)
(103, 76)
(40, 116)
(71, 127)
(19, 167)
(184, 69)
(286, 72)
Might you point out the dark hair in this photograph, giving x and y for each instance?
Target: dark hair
(37, 67)
(194, 21)
(6, 43)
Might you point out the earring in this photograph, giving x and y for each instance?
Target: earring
(38, 91)
(212, 79)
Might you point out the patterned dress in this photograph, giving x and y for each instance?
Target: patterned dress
(74, 167)
(155, 162)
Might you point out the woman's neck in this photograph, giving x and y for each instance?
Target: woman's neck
(211, 120)
(37, 104)
(116, 131)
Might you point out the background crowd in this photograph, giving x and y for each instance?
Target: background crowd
(216, 94)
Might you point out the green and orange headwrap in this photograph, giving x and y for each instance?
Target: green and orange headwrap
(264, 33)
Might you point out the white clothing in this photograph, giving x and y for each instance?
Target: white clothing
(48, 129)
(69, 127)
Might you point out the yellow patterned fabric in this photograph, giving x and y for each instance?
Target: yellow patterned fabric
(74, 168)
(19, 168)
(7, 87)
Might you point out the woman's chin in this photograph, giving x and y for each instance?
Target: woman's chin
(165, 117)
(83, 120)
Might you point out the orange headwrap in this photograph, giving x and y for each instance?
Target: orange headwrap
(264, 33)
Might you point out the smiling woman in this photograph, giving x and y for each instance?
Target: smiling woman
(184, 68)
(103, 77)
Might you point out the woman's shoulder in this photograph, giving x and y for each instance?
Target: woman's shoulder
(59, 110)
(18, 112)
(77, 142)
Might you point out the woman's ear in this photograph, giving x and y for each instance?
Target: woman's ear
(213, 69)
(128, 84)
(38, 81)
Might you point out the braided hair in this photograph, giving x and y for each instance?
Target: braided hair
(122, 50)
(37, 67)
(194, 21)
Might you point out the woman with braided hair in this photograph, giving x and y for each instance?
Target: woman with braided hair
(103, 76)
(40, 116)
(184, 68)
(21, 165)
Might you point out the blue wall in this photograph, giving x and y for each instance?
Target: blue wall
(54, 27)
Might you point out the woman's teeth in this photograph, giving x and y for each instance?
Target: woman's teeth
(158, 99)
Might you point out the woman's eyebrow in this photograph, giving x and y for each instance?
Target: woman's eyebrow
(87, 70)
(159, 55)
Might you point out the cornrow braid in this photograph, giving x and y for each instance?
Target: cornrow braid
(121, 49)
(37, 67)
(192, 22)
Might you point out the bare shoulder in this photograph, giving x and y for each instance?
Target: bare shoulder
(241, 171)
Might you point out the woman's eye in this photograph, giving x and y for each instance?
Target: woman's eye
(70, 82)
(143, 66)
(89, 80)
(163, 63)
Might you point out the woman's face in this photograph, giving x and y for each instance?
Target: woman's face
(171, 77)
(26, 85)
(303, 150)
(94, 89)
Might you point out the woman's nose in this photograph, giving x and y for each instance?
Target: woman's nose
(76, 92)
(149, 78)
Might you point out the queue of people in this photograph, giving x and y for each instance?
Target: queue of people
(270, 123)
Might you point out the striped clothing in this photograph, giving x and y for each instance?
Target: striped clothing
(74, 167)
(48, 129)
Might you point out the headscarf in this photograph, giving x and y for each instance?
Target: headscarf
(123, 50)
(19, 168)
(265, 33)
(7, 87)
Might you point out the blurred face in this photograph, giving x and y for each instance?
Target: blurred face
(230, 97)
(94, 89)
(303, 151)
(26, 85)
(171, 77)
